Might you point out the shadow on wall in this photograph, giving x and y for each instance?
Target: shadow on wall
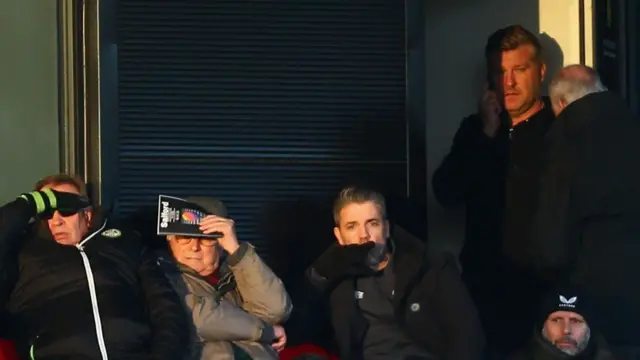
(456, 33)
(553, 56)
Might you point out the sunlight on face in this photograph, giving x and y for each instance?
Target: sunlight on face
(201, 255)
(68, 230)
(520, 76)
(360, 223)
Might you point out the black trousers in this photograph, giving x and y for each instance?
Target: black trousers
(507, 298)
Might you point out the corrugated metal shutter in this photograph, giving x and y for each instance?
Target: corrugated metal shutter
(259, 101)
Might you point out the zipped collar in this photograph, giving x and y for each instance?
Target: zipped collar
(92, 289)
(80, 245)
(226, 281)
(99, 222)
(542, 349)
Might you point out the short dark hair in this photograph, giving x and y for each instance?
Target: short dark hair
(510, 38)
(358, 195)
(62, 179)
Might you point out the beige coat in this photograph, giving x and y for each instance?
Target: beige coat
(248, 298)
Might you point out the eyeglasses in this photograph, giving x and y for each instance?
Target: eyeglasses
(203, 241)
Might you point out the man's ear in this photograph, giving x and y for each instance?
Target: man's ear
(563, 103)
(88, 215)
(336, 233)
(543, 70)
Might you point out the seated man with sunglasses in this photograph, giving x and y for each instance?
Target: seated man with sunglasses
(84, 288)
(237, 304)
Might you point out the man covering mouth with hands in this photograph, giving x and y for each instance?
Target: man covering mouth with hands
(392, 298)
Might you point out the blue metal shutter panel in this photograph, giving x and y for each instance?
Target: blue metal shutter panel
(255, 102)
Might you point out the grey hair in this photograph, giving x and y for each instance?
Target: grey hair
(574, 82)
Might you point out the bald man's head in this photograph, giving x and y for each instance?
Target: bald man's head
(572, 83)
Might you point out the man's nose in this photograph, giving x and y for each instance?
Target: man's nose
(56, 219)
(195, 244)
(509, 79)
(363, 233)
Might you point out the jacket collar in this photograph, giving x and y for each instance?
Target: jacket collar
(226, 280)
(542, 349)
(587, 112)
(99, 217)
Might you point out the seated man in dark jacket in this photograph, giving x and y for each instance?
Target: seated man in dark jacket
(85, 289)
(392, 299)
(566, 330)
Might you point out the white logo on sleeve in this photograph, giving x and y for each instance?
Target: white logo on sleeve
(570, 303)
(359, 295)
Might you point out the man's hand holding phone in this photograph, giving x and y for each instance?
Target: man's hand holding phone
(490, 109)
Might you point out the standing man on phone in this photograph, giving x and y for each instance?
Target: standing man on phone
(493, 169)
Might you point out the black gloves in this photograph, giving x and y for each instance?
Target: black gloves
(47, 201)
(349, 260)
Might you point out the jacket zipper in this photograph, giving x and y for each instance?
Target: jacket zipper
(93, 294)
(32, 349)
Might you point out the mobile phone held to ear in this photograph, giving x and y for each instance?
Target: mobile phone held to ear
(505, 119)
(491, 81)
